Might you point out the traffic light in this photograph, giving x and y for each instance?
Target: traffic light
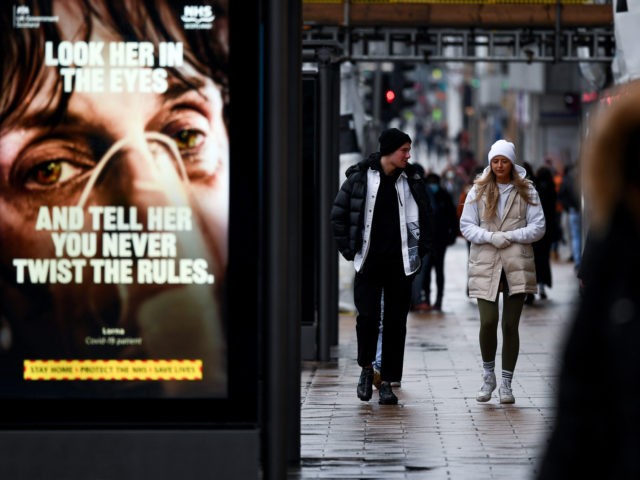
(368, 92)
(403, 84)
(390, 96)
(385, 93)
(389, 100)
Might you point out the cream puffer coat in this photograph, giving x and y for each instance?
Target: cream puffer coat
(524, 223)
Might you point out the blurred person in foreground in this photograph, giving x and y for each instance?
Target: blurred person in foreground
(502, 217)
(138, 133)
(381, 222)
(597, 427)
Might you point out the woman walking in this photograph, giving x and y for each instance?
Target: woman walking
(501, 218)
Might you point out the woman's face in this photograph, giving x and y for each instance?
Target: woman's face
(501, 166)
(70, 165)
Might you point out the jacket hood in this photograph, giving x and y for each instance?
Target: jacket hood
(373, 161)
(361, 165)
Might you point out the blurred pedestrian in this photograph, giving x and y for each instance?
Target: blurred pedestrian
(453, 180)
(446, 228)
(417, 295)
(380, 220)
(601, 358)
(530, 174)
(558, 175)
(569, 197)
(542, 248)
(502, 217)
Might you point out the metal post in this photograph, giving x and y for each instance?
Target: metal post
(293, 241)
(328, 161)
(558, 32)
(281, 374)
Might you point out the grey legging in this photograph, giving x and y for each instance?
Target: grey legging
(511, 310)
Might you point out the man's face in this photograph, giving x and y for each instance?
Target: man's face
(401, 156)
(71, 164)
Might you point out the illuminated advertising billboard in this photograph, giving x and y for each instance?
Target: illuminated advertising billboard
(115, 200)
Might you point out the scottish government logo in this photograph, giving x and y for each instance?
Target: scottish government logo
(22, 18)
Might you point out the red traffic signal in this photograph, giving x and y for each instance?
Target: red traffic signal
(389, 96)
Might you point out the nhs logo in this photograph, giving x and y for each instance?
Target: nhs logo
(198, 16)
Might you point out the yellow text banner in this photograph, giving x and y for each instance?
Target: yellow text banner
(119, 370)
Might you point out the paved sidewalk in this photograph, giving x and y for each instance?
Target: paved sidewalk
(438, 430)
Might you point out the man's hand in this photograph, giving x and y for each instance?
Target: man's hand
(500, 240)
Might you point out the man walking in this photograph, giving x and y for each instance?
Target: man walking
(381, 221)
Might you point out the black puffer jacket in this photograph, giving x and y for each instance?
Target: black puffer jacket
(347, 213)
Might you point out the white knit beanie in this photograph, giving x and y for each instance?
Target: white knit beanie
(504, 148)
(507, 149)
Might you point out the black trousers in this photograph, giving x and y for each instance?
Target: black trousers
(378, 275)
(434, 261)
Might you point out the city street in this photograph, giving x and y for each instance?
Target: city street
(438, 431)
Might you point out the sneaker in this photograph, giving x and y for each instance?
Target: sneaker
(387, 397)
(506, 395)
(397, 384)
(365, 390)
(377, 378)
(487, 388)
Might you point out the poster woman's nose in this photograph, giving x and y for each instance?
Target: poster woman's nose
(138, 171)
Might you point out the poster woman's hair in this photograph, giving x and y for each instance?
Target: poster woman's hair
(22, 70)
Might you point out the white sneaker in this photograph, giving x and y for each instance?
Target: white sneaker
(487, 388)
(506, 395)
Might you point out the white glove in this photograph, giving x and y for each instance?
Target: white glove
(500, 240)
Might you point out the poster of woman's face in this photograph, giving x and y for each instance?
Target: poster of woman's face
(114, 198)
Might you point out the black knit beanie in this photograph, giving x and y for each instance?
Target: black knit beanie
(391, 140)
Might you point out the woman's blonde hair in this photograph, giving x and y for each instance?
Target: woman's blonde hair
(487, 187)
